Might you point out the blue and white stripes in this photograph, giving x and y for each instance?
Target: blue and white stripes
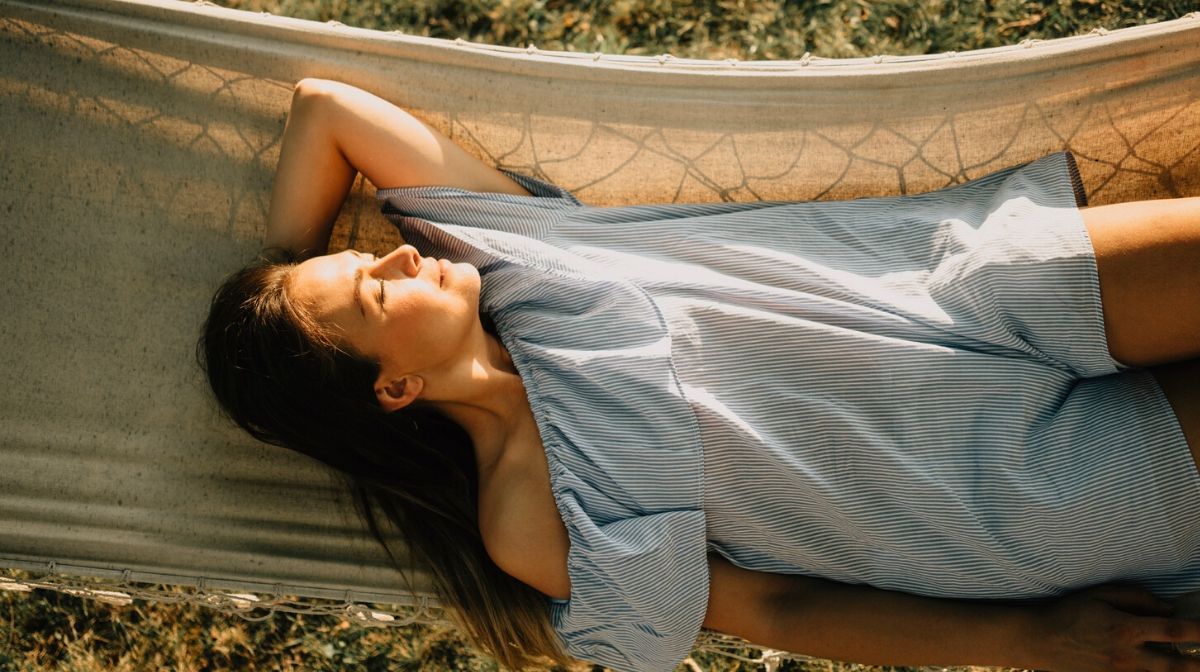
(910, 392)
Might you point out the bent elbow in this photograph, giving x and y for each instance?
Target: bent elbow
(311, 85)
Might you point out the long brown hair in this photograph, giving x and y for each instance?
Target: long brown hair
(282, 378)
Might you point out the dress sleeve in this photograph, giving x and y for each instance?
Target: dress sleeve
(639, 589)
(530, 216)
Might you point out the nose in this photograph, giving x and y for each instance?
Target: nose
(404, 259)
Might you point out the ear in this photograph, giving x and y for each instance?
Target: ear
(394, 395)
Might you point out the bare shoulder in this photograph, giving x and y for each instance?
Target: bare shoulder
(520, 524)
(393, 148)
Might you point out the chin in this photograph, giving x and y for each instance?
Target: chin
(469, 281)
(467, 273)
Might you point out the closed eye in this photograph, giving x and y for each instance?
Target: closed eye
(381, 287)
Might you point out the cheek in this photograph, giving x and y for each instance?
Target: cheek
(356, 339)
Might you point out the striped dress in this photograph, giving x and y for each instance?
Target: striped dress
(912, 392)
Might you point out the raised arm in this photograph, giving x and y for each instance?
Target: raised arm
(1095, 629)
(334, 131)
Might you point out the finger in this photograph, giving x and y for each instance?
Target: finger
(1175, 630)
(1133, 598)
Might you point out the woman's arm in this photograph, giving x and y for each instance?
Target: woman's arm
(1096, 629)
(334, 131)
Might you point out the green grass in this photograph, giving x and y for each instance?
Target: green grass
(743, 29)
(50, 631)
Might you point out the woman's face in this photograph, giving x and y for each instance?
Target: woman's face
(413, 314)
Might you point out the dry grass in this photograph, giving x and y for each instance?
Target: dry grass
(48, 631)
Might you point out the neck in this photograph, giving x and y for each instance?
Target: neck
(492, 407)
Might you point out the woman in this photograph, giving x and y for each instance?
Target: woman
(602, 420)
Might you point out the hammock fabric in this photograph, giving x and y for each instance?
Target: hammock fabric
(139, 146)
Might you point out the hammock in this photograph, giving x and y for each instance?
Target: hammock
(139, 146)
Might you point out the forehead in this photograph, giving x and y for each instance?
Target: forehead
(325, 284)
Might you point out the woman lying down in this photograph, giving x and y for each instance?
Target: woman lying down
(953, 428)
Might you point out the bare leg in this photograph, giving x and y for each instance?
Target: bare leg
(1148, 258)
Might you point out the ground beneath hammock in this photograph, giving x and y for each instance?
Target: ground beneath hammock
(48, 631)
(742, 29)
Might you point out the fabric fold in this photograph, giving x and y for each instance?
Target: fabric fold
(913, 393)
(621, 441)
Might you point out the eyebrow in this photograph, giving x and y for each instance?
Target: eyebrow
(358, 278)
